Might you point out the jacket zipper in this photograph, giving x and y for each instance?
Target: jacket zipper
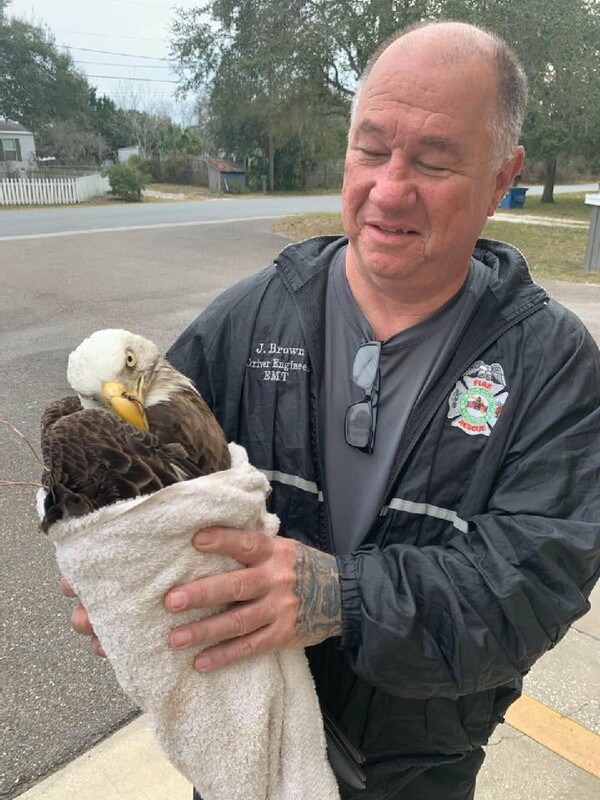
(325, 532)
(325, 528)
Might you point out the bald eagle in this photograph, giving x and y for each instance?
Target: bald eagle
(136, 425)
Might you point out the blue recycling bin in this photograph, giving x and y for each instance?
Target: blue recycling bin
(514, 198)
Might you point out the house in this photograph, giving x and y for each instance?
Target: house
(224, 176)
(17, 148)
(125, 153)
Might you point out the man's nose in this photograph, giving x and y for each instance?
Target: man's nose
(395, 185)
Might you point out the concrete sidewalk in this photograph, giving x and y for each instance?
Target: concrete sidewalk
(129, 764)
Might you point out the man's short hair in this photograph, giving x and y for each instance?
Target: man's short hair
(507, 121)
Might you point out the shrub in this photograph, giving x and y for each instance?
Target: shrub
(127, 181)
(176, 168)
(148, 166)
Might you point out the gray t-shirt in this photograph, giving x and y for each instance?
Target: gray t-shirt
(355, 481)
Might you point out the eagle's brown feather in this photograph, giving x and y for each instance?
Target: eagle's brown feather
(94, 459)
(186, 420)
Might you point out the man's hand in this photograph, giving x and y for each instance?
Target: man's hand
(80, 621)
(288, 595)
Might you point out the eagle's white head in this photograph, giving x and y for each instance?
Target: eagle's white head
(115, 368)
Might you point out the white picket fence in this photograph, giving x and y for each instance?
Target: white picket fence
(51, 191)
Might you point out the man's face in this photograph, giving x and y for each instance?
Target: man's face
(418, 181)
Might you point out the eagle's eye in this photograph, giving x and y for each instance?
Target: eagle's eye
(130, 359)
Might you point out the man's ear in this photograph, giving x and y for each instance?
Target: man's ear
(505, 177)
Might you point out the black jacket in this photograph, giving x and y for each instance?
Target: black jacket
(489, 541)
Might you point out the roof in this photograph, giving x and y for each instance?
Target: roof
(223, 166)
(13, 127)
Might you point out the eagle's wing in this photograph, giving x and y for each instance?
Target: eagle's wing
(186, 424)
(53, 412)
(93, 458)
(58, 409)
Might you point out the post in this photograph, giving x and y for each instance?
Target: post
(271, 161)
(592, 256)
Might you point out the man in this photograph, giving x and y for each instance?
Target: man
(429, 421)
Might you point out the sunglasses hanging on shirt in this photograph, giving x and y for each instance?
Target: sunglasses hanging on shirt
(361, 417)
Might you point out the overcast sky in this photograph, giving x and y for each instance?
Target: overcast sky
(137, 30)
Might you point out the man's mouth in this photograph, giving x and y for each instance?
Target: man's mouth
(399, 231)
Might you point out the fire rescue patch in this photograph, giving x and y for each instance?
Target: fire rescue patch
(477, 400)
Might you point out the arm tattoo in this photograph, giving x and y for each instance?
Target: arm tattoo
(318, 589)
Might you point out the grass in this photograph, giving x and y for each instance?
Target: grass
(567, 206)
(555, 253)
(552, 252)
(302, 226)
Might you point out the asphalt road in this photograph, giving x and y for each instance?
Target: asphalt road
(34, 222)
(56, 699)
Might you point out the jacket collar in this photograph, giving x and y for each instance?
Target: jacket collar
(304, 269)
(511, 283)
(306, 263)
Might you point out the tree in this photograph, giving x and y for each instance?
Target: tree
(351, 31)
(41, 88)
(108, 121)
(263, 87)
(71, 144)
(271, 92)
(38, 83)
(564, 74)
(558, 42)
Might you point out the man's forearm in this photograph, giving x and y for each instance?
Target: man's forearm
(318, 589)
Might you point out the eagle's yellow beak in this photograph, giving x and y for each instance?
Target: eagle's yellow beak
(126, 402)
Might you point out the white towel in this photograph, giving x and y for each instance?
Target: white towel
(249, 731)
